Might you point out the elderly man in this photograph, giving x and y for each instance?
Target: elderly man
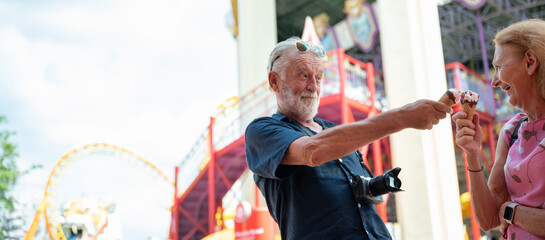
(304, 165)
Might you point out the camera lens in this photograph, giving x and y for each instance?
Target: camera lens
(392, 182)
(385, 183)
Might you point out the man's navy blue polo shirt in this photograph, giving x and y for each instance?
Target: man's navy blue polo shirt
(307, 202)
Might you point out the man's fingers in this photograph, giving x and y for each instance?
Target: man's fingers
(430, 126)
(442, 107)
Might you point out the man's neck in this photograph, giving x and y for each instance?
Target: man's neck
(313, 125)
(309, 123)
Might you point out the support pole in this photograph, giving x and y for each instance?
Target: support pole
(211, 179)
(414, 68)
(176, 214)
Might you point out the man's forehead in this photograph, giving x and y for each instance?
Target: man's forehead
(305, 60)
(308, 67)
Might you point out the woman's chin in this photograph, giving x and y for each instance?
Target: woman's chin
(512, 101)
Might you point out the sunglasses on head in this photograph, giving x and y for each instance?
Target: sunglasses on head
(304, 47)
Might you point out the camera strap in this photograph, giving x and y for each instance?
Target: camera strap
(515, 136)
(354, 179)
(349, 174)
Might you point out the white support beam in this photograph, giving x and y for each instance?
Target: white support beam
(414, 69)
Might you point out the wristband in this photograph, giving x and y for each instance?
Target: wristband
(482, 168)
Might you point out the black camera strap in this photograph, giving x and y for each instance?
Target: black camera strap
(515, 135)
(349, 174)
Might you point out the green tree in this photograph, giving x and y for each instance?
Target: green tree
(8, 168)
(9, 173)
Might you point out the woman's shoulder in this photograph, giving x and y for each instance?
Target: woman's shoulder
(509, 126)
(512, 123)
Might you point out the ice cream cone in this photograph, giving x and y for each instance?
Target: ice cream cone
(450, 97)
(469, 100)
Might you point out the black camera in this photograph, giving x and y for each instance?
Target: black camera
(370, 190)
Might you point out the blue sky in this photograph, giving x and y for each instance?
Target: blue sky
(142, 75)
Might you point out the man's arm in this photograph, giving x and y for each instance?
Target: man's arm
(339, 141)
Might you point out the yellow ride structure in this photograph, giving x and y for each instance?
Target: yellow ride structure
(49, 208)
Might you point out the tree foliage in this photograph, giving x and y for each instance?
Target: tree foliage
(8, 168)
(9, 173)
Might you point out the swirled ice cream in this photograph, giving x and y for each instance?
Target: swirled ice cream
(469, 101)
(450, 97)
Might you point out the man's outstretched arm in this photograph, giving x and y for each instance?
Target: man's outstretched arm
(341, 140)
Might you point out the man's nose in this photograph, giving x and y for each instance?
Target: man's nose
(313, 84)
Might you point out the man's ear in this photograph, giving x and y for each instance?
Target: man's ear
(531, 62)
(274, 81)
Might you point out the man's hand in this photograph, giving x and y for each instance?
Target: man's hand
(468, 133)
(424, 114)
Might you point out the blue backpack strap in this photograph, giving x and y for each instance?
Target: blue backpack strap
(515, 136)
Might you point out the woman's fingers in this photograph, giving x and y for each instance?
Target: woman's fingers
(465, 131)
(462, 122)
(458, 115)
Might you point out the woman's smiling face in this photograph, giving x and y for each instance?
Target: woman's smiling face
(511, 75)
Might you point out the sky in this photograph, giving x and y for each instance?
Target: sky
(142, 75)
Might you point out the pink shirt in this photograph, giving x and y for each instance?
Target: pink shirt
(525, 169)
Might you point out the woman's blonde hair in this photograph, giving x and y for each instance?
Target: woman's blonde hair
(527, 35)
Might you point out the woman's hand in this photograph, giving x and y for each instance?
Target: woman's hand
(468, 133)
(503, 224)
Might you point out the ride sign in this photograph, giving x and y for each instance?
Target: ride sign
(253, 223)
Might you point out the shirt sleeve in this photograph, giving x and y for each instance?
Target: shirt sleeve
(267, 140)
(509, 127)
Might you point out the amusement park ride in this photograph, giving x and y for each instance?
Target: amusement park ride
(82, 218)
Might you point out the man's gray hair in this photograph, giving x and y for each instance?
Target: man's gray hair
(275, 56)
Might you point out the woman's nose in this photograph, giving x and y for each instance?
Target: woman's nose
(495, 81)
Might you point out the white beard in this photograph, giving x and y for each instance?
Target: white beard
(304, 107)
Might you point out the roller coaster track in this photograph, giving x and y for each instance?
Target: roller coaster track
(49, 207)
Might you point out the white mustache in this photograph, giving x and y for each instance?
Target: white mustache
(309, 94)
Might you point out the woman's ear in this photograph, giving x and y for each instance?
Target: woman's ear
(531, 61)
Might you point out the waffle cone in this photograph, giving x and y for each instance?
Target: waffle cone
(469, 110)
(446, 100)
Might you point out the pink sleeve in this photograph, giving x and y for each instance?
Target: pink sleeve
(509, 126)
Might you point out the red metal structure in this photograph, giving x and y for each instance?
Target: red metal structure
(352, 91)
